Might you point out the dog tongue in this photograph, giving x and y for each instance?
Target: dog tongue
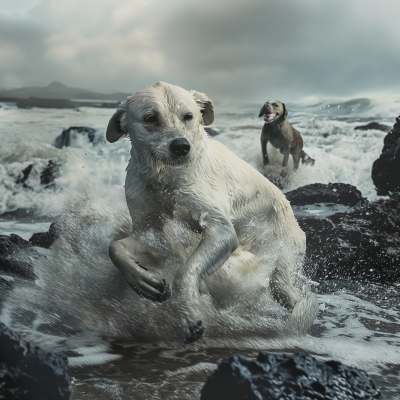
(269, 116)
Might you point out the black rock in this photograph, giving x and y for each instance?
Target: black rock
(68, 135)
(28, 372)
(44, 239)
(338, 193)
(362, 244)
(386, 169)
(211, 132)
(373, 125)
(25, 174)
(47, 175)
(9, 245)
(284, 377)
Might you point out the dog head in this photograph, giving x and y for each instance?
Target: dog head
(272, 110)
(164, 122)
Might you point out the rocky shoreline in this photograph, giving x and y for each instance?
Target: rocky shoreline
(360, 242)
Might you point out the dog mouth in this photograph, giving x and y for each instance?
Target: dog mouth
(270, 117)
(174, 161)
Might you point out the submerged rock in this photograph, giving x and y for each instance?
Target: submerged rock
(69, 135)
(373, 125)
(338, 193)
(9, 245)
(386, 169)
(29, 372)
(287, 377)
(362, 244)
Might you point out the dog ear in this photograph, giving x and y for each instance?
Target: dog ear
(261, 112)
(114, 129)
(285, 112)
(206, 106)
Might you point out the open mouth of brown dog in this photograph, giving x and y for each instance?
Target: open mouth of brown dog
(270, 117)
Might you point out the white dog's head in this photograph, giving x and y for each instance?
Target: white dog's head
(163, 122)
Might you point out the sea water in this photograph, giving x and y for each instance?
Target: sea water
(114, 350)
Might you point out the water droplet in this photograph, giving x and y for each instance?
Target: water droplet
(338, 106)
(334, 189)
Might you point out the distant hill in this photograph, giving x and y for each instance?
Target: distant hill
(57, 90)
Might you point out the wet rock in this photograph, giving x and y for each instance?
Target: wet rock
(338, 193)
(9, 245)
(211, 132)
(44, 239)
(25, 174)
(47, 175)
(69, 135)
(386, 169)
(362, 244)
(373, 125)
(284, 377)
(29, 372)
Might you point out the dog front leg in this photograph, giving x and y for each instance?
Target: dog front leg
(218, 243)
(264, 150)
(139, 278)
(286, 152)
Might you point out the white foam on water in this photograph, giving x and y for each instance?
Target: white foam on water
(80, 298)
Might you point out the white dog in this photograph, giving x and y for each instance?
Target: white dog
(202, 217)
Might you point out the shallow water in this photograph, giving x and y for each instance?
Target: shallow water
(357, 324)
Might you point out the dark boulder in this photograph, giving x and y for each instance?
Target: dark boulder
(9, 246)
(28, 372)
(287, 377)
(338, 193)
(373, 125)
(44, 239)
(386, 169)
(362, 244)
(69, 135)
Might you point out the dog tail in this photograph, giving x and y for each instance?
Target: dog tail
(306, 159)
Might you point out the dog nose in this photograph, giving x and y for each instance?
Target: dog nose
(180, 147)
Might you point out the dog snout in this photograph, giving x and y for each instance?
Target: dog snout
(180, 147)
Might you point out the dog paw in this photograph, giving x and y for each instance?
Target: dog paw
(195, 332)
(159, 293)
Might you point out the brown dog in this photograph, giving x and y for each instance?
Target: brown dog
(282, 135)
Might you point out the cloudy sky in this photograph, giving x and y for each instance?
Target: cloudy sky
(229, 49)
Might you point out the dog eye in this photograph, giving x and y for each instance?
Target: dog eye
(188, 117)
(202, 111)
(151, 119)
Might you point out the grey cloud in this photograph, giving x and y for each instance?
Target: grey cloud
(236, 50)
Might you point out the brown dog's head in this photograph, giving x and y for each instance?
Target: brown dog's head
(272, 110)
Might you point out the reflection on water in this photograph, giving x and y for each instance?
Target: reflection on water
(357, 325)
